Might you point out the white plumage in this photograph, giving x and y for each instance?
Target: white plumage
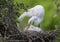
(36, 15)
(34, 19)
(38, 11)
(33, 28)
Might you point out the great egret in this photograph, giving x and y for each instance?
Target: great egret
(37, 14)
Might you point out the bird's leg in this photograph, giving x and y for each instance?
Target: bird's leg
(28, 25)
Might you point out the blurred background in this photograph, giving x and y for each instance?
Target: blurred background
(51, 17)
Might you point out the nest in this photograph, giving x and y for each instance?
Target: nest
(32, 36)
(28, 36)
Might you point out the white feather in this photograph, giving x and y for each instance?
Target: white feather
(33, 28)
(36, 20)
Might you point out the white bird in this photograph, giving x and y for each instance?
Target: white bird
(37, 14)
(38, 11)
